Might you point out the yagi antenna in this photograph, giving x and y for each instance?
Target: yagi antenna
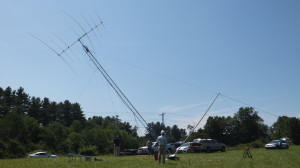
(68, 47)
(85, 34)
(115, 87)
(55, 52)
(97, 64)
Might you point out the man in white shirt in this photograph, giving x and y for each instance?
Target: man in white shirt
(162, 144)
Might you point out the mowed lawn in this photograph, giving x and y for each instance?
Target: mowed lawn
(230, 159)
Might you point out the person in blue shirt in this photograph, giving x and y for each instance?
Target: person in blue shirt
(162, 145)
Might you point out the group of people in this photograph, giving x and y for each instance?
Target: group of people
(162, 145)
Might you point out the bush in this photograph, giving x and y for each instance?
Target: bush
(15, 149)
(3, 149)
(253, 144)
(89, 150)
(256, 144)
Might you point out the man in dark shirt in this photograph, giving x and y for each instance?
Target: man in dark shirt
(149, 147)
(117, 144)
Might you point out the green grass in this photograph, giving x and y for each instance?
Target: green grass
(233, 158)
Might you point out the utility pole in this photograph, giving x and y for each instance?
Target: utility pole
(162, 118)
(117, 121)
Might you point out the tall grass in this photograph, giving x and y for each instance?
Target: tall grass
(231, 159)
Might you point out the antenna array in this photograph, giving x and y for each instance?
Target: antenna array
(96, 63)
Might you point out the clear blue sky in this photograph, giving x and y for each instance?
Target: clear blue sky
(166, 56)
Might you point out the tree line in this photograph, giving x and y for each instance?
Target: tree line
(31, 123)
(246, 126)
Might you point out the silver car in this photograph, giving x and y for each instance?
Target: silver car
(277, 144)
(184, 148)
(41, 155)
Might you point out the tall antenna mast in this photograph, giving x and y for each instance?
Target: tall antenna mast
(97, 64)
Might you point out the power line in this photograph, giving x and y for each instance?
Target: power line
(189, 84)
(181, 115)
(237, 100)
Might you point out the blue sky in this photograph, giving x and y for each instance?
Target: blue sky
(167, 56)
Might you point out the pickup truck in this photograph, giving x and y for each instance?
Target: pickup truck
(143, 150)
(207, 145)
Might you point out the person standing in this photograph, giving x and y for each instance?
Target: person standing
(117, 145)
(149, 147)
(162, 145)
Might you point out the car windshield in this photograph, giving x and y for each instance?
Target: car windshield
(185, 144)
(274, 141)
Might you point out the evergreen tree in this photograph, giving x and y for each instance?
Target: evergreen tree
(67, 113)
(35, 108)
(77, 113)
(177, 133)
(21, 100)
(6, 101)
(45, 112)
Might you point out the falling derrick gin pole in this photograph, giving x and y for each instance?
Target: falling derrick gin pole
(99, 67)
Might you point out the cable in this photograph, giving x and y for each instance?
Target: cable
(181, 115)
(249, 105)
(121, 95)
(198, 122)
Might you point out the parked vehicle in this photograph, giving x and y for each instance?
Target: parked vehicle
(42, 155)
(184, 148)
(143, 150)
(129, 152)
(208, 145)
(178, 143)
(277, 144)
(196, 147)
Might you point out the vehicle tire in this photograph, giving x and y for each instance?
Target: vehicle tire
(208, 150)
(223, 149)
(188, 151)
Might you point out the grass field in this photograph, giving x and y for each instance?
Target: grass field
(233, 158)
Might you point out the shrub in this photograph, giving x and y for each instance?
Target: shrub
(15, 149)
(256, 144)
(89, 150)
